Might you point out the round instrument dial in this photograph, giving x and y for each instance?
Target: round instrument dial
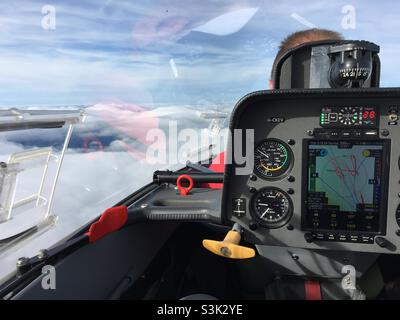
(272, 159)
(271, 207)
(348, 116)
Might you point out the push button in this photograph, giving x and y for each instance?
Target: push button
(353, 238)
(367, 239)
(333, 117)
(330, 236)
(320, 236)
(371, 133)
(334, 134)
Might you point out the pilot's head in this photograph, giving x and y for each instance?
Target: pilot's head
(301, 37)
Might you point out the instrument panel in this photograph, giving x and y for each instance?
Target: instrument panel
(321, 172)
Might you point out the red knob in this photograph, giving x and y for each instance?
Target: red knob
(184, 191)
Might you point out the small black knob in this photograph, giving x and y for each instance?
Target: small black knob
(253, 225)
(253, 190)
(42, 254)
(398, 233)
(385, 132)
(291, 179)
(381, 241)
(23, 265)
(290, 227)
(291, 142)
(253, 177)
(290, 191)
(308, 236)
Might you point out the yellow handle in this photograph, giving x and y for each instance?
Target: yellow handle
(229, 247)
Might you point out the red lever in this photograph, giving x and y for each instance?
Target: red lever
(111, 220)
(184, 191)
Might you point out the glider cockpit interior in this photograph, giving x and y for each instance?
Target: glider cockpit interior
(310, 191)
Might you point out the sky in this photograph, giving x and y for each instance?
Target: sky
(165, 52)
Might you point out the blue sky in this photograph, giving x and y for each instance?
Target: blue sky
(172, 52)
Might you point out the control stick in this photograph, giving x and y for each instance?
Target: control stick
(229, 247)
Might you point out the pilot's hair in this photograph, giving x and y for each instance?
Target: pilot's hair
(300, 37)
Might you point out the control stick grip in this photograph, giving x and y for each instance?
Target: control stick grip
(229, 247)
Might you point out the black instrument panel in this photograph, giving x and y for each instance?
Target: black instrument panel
(325, 176)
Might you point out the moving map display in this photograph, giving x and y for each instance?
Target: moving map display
(344, 185)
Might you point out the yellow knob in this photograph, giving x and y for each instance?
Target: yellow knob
(229, 247)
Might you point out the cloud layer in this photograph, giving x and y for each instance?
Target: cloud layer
(105, 49)
(106, 162)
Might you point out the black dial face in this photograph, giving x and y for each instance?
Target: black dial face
(272, 207)
(272, 159)
(348, 116)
